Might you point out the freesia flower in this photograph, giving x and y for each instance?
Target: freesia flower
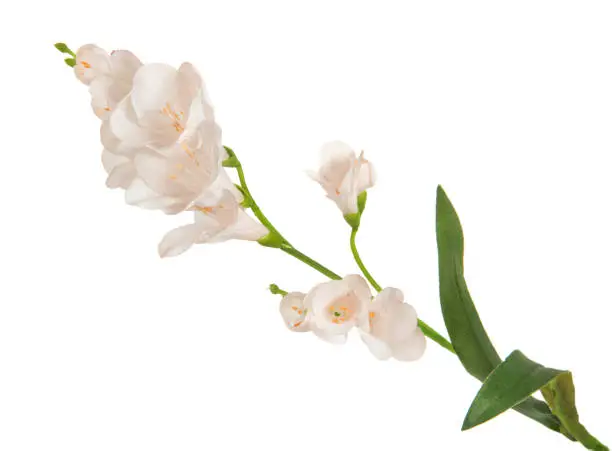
(294, 313)
(163, 105)
(109, 76)
(170, 179)
(393, 329)
(330, 309)
(343, 175)
(218, 217)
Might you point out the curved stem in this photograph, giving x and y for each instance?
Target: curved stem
(428, 331)
(253, 205)
(362, 267)
(286, 247)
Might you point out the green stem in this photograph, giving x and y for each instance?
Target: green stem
(362, 267)
(235, 163)
(287, 248)
(428, 331)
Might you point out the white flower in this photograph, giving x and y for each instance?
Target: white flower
(218, 217)
(163, 105)
(294, 313)
(393, 330)
(109, 77)
(162, 143)
(330, 309)
(343, 175)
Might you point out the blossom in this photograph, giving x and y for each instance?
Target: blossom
(330, 310)
(218, 217)
(294, 312)
(109, 76)
(163, 105)
(162, 144)
(343, 175)
(393, 328)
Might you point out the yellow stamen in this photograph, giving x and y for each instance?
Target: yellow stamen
(86, 65)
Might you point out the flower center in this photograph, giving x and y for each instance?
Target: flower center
(300, 320)
(340, 313)
(175, 117)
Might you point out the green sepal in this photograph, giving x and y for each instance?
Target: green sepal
(353, 219)
(466, 331)
(272, 239)
(231, 162)
(62, 47)
(517, 378)
(247, 201)
(361, 201)
(70, 62)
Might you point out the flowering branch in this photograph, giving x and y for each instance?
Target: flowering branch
(163, 147)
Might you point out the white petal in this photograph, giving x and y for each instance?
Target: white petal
(335, 151)
(243, 228)
(402, 322)
(124, 65)
(365, 175)
(111, 160)
(379, 348)
(390, 296)
(154, 86)
(178, 240)
(121, 177)
(123, 125)
(139, 194)
(359, 286)
(412, 348)
(100, 102)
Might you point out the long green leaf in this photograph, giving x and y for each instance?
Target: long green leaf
(515, 380)
(466, 331)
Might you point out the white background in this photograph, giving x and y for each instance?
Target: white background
(103, 346)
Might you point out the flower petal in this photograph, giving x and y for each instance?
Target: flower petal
(243, 228)
(154, 86)
(139, 194)
(179, 240)
(378, 347)
(412, 348)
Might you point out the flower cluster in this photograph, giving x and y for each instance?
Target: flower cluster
(388, 326)
(162, 145)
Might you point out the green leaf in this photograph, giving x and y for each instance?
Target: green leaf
(70, 61)
(515, 380)
(64, 48)
(466, 331)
